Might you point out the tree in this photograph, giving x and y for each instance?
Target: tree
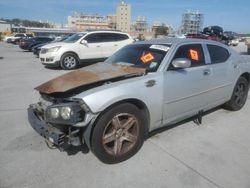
(27, 23)
(161, 30)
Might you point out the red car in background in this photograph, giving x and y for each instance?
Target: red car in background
(203, 36)
(214, 33)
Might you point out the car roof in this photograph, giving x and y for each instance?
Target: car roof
(177, 41)
(103, 31)
(43, 37)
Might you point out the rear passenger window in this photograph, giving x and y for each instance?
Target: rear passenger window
(120, 37)
(194, 52)
(107, 37)
(217, 54)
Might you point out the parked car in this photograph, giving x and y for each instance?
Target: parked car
(17, 40)
(212, 33)
(112, 106)
(27, 44)
(9, 39)
(234, 42)
(230, 34)
(37, 48)
(203, 36)
(82, 47)
(213, 30)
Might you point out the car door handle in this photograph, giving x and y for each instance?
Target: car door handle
(150, 83)
(116, 45)
(236, 66)
(206, 72)
(98, 46)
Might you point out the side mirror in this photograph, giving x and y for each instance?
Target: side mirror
(181, 63)
(84, 42)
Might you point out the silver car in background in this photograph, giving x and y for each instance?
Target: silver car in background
(112, 106)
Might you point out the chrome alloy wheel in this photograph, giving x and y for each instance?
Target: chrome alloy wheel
(69, 62)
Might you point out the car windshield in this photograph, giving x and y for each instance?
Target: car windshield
(148, 56)
(74, 37)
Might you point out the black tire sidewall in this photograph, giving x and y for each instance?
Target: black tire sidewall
(62, 61)
(231, 105)
(96, 141)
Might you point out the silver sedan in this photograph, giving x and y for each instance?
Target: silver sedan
(112, 106)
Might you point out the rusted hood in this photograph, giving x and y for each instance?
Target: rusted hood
(86, 76)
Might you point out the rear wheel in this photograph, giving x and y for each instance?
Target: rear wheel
(69, 61)
(239, 95)
(118, 134)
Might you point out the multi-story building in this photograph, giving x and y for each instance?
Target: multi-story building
(4, 26)
(81, 22)
(123, 17)
(192, 22)
(111, 19)
(140, 24)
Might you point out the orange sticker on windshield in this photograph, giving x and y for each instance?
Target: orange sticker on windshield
(194, 55)
(147, 58)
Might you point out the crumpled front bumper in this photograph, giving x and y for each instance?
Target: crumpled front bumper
(50, 133)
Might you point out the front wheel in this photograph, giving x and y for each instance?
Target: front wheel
(69, 61)
(239, 96)
(118, 134)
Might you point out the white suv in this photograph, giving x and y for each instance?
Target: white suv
(83, 47)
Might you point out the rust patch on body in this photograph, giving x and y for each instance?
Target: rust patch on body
(87, 75)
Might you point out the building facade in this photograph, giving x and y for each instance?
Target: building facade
(4, 26)
(140, 24)
(82, 22)
(123, 17)
(192, 22)
(111, 19)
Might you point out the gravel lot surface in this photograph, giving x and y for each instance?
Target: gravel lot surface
(215, 154)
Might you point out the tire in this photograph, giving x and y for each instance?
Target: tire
(248, 51)
(118, 134)
(239, 96)
(69, 61)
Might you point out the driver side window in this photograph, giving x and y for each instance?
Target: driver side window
(193, 52)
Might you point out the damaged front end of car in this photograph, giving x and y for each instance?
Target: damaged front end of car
(64, 120)
(60, 121)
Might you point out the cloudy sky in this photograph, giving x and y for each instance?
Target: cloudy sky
(230, 14)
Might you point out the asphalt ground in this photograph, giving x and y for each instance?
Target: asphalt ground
(214, 154)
